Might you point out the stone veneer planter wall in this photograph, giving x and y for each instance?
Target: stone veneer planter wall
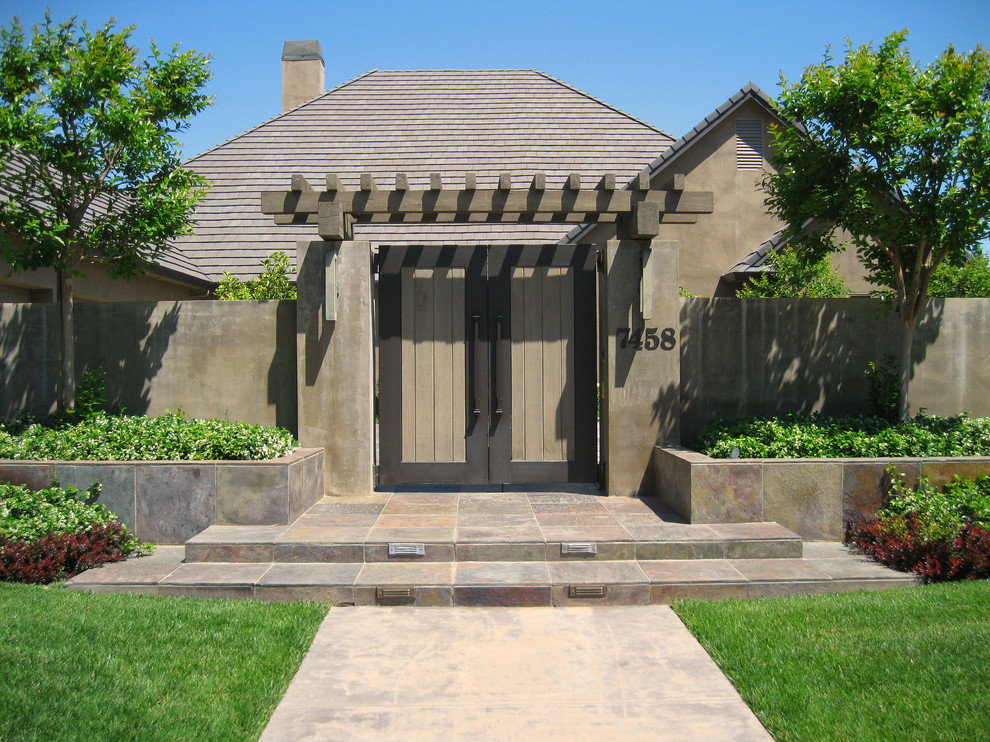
(168, 502)
(812, 497)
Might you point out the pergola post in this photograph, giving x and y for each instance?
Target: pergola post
(335, 368)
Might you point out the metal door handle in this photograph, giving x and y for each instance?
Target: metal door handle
(498, 346)
(475, 341)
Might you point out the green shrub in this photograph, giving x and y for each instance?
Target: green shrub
(885, 390)
(27, 515)
(53, 534)
(942, 512)
(172, 436)
(91, 393)
(818, 436)
(271, 284)
(790, 276)
(970, 280)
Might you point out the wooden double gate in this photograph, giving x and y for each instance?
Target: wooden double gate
(487, 364)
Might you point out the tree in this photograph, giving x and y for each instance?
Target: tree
(894, 154)
(271, 284)
(969, 280)
(91, 170)
(792, 277)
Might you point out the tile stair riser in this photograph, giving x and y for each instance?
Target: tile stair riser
(507, 593)
(492, 552)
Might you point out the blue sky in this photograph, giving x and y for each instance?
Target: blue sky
(667, 63)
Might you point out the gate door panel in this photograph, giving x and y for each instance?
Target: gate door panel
(432, 399)
(542, 299)
(487, 364)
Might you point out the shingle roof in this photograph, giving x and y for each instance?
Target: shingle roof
(417, 122)
(756, 261)
(175, 264)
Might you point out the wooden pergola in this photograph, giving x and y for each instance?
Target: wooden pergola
(638, 288)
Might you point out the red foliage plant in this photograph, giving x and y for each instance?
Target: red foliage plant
(899, 543)
(60, 556)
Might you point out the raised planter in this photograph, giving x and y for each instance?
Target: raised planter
(168, 502)
(812, 497)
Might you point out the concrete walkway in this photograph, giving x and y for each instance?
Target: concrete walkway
(604, 673)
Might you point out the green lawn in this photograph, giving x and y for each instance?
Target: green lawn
(909, 664)
(77, 666)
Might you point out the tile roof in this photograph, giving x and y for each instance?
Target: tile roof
(417, 122)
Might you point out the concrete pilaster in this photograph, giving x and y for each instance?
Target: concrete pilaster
(336, 364)
(641, 374)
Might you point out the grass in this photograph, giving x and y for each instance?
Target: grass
(79, 666)
(911, 664)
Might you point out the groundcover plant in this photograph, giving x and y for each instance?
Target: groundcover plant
(172, 436)
(820, 436)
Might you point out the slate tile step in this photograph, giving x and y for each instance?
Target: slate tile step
(627, 582)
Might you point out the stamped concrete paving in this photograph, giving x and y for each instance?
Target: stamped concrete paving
(614, 673)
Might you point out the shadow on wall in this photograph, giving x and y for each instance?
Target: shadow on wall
(130, 342)
(129, 345)
(759, 357)
(29, 358)
(282, 369)
(224, 360)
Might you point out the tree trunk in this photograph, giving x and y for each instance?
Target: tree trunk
(67, 377)
(904, 366)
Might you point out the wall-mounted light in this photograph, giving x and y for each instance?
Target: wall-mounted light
(646, 284)
(330, 291)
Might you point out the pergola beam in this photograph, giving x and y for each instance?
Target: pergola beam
(643, 208)
(516, 200)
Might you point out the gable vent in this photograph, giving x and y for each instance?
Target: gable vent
(749, 145)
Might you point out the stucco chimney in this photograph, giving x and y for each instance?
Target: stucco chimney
(302, 72)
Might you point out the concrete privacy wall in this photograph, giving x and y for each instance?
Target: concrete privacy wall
(812, 497)
(229, 360)
(743, 357)
(168, 502)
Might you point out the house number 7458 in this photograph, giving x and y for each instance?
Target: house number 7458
(646, 339)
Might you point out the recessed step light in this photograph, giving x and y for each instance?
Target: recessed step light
(407, 549)
(395, 596)
(587, 591)
(577, 548)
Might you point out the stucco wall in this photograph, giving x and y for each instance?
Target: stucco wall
(230, 360)
(772, 356)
